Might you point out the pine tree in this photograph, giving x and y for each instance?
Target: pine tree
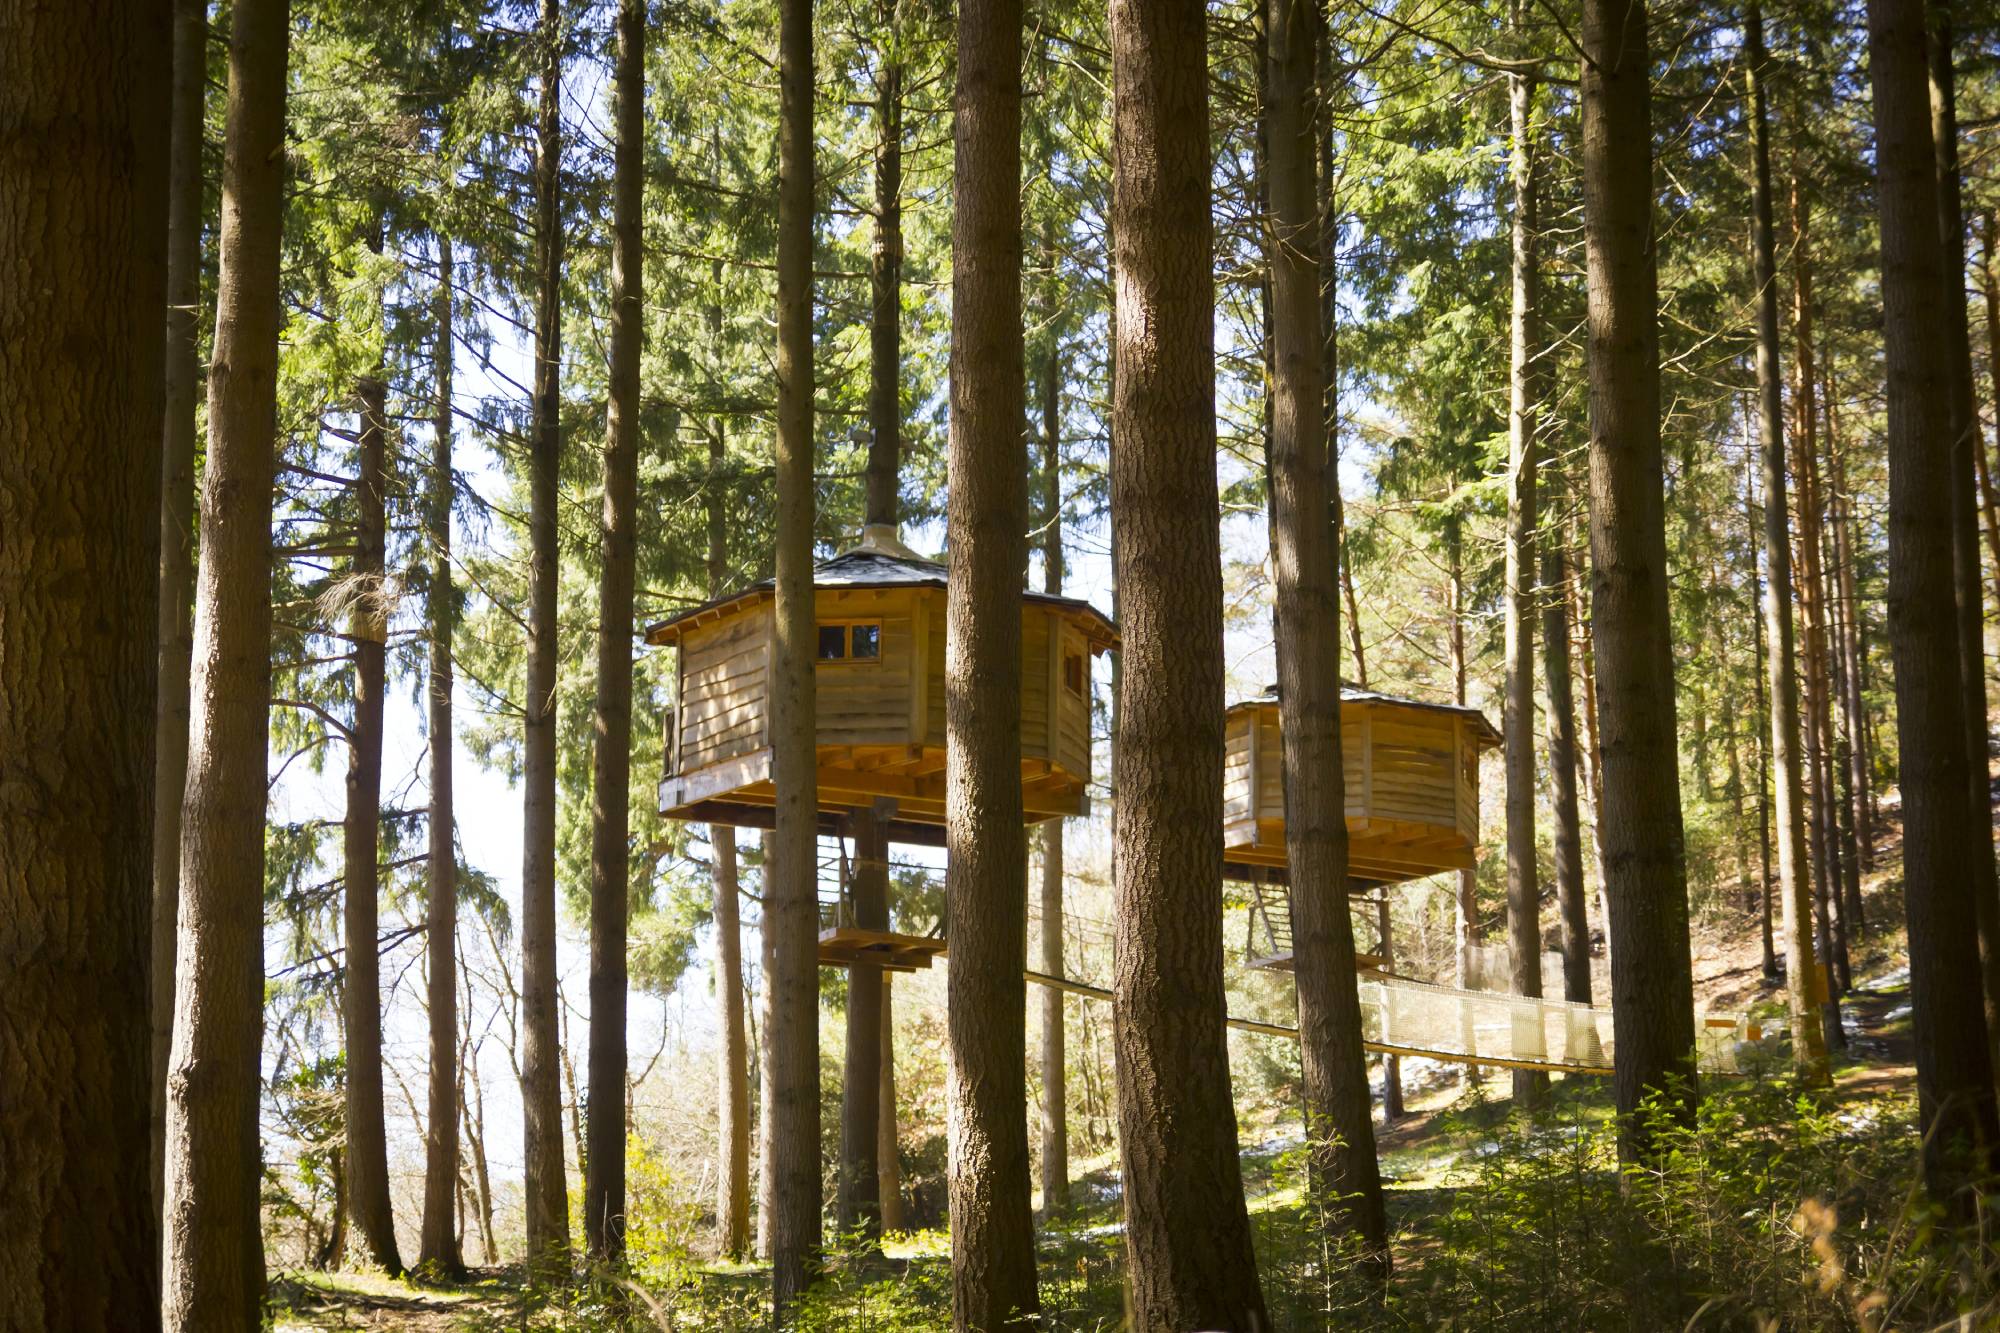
(1189, 1256)
(986, 884)
(1639, 829)
(176, 610)
(214, 1256)
(1967, 580)
(438, 1246)
(1954, 1070)
(604, 1172)
(1524, 424)
(1346, 1179)
(1801, 967)
(547, 1189)
(792, 1160)
(367, 1160)
(84, 96)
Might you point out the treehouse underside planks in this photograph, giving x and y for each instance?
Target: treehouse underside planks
(851, 777)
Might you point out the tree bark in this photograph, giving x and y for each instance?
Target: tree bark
(1572, 894)
(791, 913)
(438, 1246)
(1055, 1055)
(986, 876)
(1639, 831)
(611, 722)
(1843, 739)
(1190, 1263)
(214, 1256)
(368, 1200)
(1989, 284)
(182, 380)
(1801, 966)
(857, 1206)
(1340, 1134)
(1524, 890)
(1810, 588)
(733, 1121)
(732, 1183)
(885, 285)
(545, 1178)
(1764, 735)
(888, 1149)
(1968, 582)
(84, 96)
(1954, 1069)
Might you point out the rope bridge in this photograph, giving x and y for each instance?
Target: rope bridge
(1428, 1022)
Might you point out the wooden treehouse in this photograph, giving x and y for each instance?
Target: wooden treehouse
(879, 698)
(1411, 773)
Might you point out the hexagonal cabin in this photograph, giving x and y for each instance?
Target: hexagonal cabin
(1412, 778)
(879, 697)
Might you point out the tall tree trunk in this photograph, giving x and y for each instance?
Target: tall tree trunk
(1190, 1262)
(858, 1200)
(438, 1246)
(1467, 900)
(885, 285)
(986, 876)
(1801, 970)
(368, 1198)
(1639, 832)
(1842, 740)
(182, 380)
(733, 1122)
(1984, 881)
(611, 722)
(856, 1204)
(546, 1181)
(888, 1150)
(84, 97)
(767, 1172)
(1055, 1054)
(1524, 890)
(1340, 1135)
(214, 1253)
(1853, 708)
(1572, 894)
(1989, 285)
(1764, 736)
(1954, 1068)
(1392, 1066)
(1811, 590)
(732, 1182)
(791, 913)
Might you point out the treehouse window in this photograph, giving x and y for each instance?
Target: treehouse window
(1073, 673)
(859, 641)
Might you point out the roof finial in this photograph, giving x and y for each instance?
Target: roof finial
(884, 539)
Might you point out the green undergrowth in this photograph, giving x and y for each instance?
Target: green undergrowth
(1778, 1208)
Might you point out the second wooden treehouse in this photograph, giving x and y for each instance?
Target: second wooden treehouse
(1411, 773)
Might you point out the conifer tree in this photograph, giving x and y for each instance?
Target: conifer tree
(84, 94)
(604, 1170)
(1188, 1249)
(1639, 830)
(986, 876)
(791, 1148)
(1954, 1069)
(214, 1256)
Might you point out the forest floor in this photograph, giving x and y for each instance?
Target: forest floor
(1450, 1122)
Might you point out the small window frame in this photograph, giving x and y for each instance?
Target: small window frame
(847, 626)
(1075, 672)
